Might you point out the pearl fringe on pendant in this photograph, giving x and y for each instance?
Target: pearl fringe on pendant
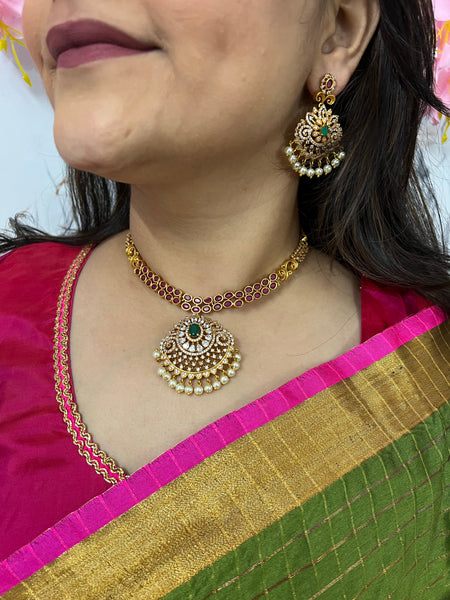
(198, 355)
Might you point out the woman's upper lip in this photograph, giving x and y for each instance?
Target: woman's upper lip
(73, 34)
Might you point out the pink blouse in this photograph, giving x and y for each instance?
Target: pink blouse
(49, 466)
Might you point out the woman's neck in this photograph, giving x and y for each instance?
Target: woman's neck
(207, 235)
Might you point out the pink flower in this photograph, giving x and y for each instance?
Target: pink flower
(442, 14)
(441, 10)
(11, 12)
(10, 34)
(442, 67)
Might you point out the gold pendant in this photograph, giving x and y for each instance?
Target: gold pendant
(198, 355)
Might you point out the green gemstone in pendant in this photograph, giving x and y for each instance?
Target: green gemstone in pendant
(194, 330)
(325, 130)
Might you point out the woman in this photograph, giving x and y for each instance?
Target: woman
(174, 118)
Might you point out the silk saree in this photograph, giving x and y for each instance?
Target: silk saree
(333, 486)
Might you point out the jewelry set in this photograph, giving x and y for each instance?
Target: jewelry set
(199, 355)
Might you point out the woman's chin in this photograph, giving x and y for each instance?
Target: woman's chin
(103, 154)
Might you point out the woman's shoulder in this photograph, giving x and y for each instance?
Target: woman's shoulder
(383, 306)
(36, 259)
(43, 255)
(33, 271)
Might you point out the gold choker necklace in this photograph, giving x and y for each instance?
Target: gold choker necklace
(199, 355)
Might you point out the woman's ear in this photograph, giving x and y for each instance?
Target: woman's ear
(352, 24)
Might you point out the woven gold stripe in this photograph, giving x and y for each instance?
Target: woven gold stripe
(231, 496)
(336, 545)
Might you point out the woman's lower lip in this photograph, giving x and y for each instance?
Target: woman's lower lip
(84, 54)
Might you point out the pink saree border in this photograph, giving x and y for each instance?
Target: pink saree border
(169, 466)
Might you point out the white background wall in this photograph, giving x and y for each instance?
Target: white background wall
(31, 169)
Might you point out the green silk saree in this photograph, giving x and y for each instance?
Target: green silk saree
(334, 486)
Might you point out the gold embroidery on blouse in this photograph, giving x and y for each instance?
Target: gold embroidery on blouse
(102, 463)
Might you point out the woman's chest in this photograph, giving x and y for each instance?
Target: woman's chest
(133, 414)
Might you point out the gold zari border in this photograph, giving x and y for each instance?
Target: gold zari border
(230, 497)
(81, 437)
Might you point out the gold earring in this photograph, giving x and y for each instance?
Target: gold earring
(316, 149)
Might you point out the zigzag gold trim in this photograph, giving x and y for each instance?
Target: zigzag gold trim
(103, 464)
